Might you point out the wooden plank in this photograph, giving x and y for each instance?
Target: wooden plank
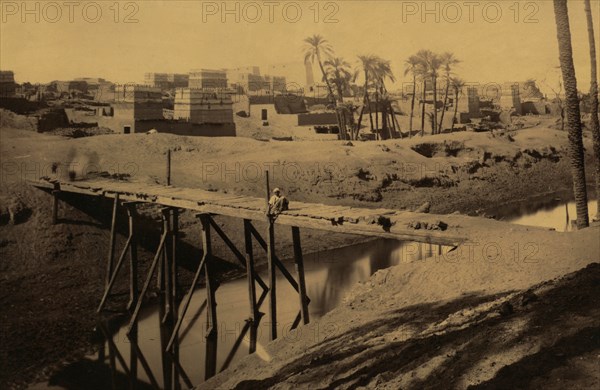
(304, 215)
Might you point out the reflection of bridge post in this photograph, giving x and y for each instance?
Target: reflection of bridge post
(299, 261)
(212, 325)
(133, 358)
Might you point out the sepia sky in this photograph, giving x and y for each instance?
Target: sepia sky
(497, 41)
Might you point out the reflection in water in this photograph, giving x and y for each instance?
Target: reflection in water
(551, 213)
(329, 276)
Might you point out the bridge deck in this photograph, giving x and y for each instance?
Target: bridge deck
(343, 219)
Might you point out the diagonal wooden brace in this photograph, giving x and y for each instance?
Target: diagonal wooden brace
(140, 299)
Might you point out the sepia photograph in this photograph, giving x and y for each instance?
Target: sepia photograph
(309, 194)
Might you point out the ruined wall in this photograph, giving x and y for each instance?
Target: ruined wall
(214, 115)
(473, 102)
(187, 128)
(148, 110)
(323, 118)
(20, 105)
(289, 104)
(535, 108)
(51, 119)
(261, 99)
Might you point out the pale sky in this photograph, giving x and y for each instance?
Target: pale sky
(176, 36)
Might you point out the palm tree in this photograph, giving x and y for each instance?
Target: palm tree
(576, 152)
(315, 47)
(594, 99)
(339, 74)
(382, 70)
(457, 85)
(431, 64)
(412, 66)
(448, 61)
(367, 63)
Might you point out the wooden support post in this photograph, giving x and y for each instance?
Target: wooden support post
(268, 194)
(157, 256)
(250, 272)
(188, 298)
(160, 275)
(173, 265)
(236, 252)
(253, 320)
(173, 303)
(169, 166)
(271, 265)
(114, 275)
(299, 261)
(272, 280)
(133, 260)
(278, 262)
(113, 238)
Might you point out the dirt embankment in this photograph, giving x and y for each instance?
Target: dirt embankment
(52, 276)
(545, 336)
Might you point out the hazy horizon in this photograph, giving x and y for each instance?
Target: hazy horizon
(178, 36)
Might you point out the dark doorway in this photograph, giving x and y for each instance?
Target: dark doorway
(126, 129)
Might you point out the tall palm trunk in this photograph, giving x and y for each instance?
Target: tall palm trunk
(365, 102)
(377, 114)
(325, 78)
(594, 98)
(412, 106)
(370, 113)
(576, 152)
(455, 110)
(384, 126)
(423, 108)
(440, 128)
(360, 116)
(435, 114)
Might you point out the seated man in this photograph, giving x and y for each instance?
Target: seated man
(277, 203)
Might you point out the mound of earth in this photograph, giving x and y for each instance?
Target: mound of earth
(444, 324)
(9, 119)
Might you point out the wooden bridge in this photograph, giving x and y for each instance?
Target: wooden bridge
(383, 223)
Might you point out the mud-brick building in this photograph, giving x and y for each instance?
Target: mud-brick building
(8, 86)
(201, 106)
(138, 109)
(166, 80)
(132, 104)
(208, 79)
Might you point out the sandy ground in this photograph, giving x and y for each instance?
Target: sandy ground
(51, 276)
